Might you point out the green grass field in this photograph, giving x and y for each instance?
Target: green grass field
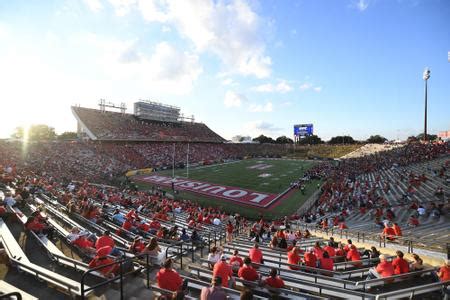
(238, 174)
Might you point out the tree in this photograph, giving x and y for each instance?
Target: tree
(283, 140)
(38, 132)
(376, 139)
(430, 137)
(262, 139)
(342, 139)
(68, 135)
(310, 140)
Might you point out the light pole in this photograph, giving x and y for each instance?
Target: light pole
(426, 76)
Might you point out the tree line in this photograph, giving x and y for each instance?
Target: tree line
(41, 132)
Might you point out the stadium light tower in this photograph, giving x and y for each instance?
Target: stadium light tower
(426, 76)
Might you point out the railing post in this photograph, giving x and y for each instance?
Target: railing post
(148, 270)
(121, 280)
(215, 239)
(181, 255)
(358, 236)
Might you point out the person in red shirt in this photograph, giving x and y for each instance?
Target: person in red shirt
(223, 270)
(274, 281)
(293, 258)
(318, 251)
(413, 221)
(310, 258)
(444, 271)
(255, 254)
(168, 278)
(326, 262)
(102, 259)
(106, 240)
(400, 265)
(347, 247)
(236, 261)
(230, 230)
(354, 255)
(247, 272)
(137, 246)
(388, 232)
(383, 269)
(330, 249)
(397, 230)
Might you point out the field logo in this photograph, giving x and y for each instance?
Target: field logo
(264, 175)
(260, 167)
(213, 190)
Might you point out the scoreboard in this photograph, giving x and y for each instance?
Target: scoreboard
(302, 130)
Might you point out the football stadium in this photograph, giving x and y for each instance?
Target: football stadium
(100, 201)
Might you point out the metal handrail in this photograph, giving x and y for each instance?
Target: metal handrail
(180, 243)
(413, 289)
(120, 276)
(12, 294)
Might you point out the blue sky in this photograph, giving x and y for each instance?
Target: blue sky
(242, 67)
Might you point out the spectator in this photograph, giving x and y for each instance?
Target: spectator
(34, 224)
(382, 270)
(153, 250)
(273, 281)
(388, 232)
(354, 256)
(247, 272)
(397, 229)
(229, 233)
(444, 271)
(293, 258)
(215, 292)
(137, 246)
(106, 240)
(80, 239)
(310, 258)
(168, 278)
(330, 249)
(236, 261)
(256, 254)
(326, 262)
(400, 265)
(223, 270)
(214, 256)
(417, 264)
(246, 294)
(102, 259)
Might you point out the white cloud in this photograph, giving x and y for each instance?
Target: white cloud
(361, 5)
(282, 87)
(228, 81)
(166, 70)
(305, 86)
(166, 29)
(233, 99)
(318, 89)
(255, 128)
(122, 7)
(94, 5)
(268, 107)
(232, 31)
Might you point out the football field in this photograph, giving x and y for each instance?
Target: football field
(267, 178)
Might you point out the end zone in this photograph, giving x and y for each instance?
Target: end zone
(235, 194)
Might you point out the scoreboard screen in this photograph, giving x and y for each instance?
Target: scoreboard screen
(303, 129)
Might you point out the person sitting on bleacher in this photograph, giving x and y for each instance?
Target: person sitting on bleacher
(214, 256)
(118, 217)
(34, 224)
(168, 278)
(310, 258)
(330, 249)
(107, 240)
(397, 230)
(153, 249)
(417, 264)
(348, 246)
(400, 265)
(293, 258)
(137, 246)
(273, 242)
(283, 243)
(354, 255)
(382, 270)
(81, 240)
(184, 236)
(215, 292)
(273, 281)
(413, 221)
(102, 259)
(9, 200)
(326, 262)
(318, 251)
(236, 261)
(388, 232)
(444, 271)
(247, 272)
(256, 255)
(128, 225)
(223, 270)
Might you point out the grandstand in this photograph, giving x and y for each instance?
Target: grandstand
(113, 126)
